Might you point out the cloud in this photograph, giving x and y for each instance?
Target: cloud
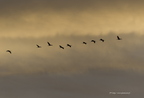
(57, 5)
(57, 17)
(96, 84)
(112, 54)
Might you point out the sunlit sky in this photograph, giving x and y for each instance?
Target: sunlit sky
(51, 17)
(82, 71)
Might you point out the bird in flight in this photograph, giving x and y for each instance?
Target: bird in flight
(102, 40)
(68, 45)
(118, 38)
(9, 51)
(38, 46)
(61, 46)
(49, 44)
(84, 43)
(93, 41)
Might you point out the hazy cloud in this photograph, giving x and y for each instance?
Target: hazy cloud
(91, 70)
(58, 5)
(95, 84)
(112, 54)
(38, 18)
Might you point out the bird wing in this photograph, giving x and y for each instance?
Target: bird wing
(48, 43)
(38, 46)
(118, 37)
(9, 51)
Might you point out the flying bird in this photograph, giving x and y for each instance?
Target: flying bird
(9, 51)
(118, 38)
(93, 41)
(69, 45)
(84, 43)
(38, 46)
(102, 40)
(49, 44)
(61, 46)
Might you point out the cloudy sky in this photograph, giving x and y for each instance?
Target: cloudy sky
(82, 71)
(80, 17)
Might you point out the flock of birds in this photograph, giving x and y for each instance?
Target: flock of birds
(49, 44)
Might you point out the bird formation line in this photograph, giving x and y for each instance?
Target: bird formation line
(49, 44)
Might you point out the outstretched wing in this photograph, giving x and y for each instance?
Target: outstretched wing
(9, 51)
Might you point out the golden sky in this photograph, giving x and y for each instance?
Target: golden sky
(23, 24)
(82, 71)
(37, 18)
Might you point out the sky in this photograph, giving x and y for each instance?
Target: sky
(82, 71)
(38, 18)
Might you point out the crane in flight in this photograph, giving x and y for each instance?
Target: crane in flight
(9, 51)
(38, 46)
(93, 41)
(84, 43)
(69, 45)
(118, 38)
(49, 44)
(102, 40)
(61, 46)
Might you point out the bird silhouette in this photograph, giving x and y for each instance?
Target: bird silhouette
(49, 44)
(61, 46)
(102, 40)
(84, 43)
(9, 51)
(118, 38)
(69, 45)
(38, 46)
(93, 41)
